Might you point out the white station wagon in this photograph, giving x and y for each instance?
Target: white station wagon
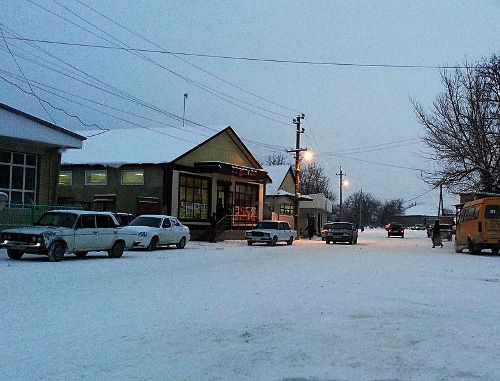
(271, 232)
(155, 230)
(61, 232)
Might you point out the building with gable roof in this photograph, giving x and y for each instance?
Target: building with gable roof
(188, 176)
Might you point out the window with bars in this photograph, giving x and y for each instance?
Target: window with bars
(193, 197)
(246, 201)
(18, 176)
(96, 177)
(65, 178)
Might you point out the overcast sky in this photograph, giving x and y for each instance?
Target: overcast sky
(351, 112)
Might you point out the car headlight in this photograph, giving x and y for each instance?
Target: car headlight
(248, 234)
(143, 234)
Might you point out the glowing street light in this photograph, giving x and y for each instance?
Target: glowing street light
(308, 156)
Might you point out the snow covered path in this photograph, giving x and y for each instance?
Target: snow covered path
(385, 309)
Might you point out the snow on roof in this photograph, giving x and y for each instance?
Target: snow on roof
(277, 173)
(134, 146)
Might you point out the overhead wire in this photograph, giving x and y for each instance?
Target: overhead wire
(257, 59)
(22, 72)
(219, 94)
(184, 60)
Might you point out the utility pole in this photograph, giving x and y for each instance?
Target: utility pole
(297, 151)
(341, 182)
(441, 206)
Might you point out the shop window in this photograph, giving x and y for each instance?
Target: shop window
(287, 209)
(133, 177)
(96, 177)
(18, 176)
(65, 178)
(193, 197)
(246, 202)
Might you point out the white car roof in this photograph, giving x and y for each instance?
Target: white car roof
(79, 212)
(156, 215)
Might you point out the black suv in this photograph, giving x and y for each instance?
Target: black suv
(342, 232)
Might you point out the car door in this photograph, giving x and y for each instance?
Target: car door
(166, 232)
(85, 233)
(178, 230)
(106, 231)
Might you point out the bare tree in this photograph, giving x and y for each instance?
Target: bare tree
(277, 158)
(313, 180)
(361, 204)
(462, 129)
(390, 209)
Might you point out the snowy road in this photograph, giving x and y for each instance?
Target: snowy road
(385, 309)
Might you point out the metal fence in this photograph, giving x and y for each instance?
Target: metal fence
(25, 215)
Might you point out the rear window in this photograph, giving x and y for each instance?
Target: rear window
(396, 226)
(267, 225)
(341, 226)
(492, 211)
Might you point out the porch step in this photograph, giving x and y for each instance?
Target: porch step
(228, 235)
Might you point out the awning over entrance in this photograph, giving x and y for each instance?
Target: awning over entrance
(258, 175)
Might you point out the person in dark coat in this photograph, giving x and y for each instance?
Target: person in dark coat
(310, 230)
(212, 234)
(436, 235)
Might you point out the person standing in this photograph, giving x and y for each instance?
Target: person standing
(436, 235)
(212, 234)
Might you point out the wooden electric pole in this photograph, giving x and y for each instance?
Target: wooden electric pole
(341, 182)
(297, 151)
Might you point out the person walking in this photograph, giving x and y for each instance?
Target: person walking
(212, 234)
(436, 235)
(310, 230)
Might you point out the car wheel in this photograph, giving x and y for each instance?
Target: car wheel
(14, 254)
(249, 243)
(182, 243)
(495, 251)
(81, 254)
(56, 252)
(350, 242)
(153, 244)
(117, 250)
(290, 241)
(327, 241)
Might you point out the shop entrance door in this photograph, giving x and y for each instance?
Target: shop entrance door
(224, 199)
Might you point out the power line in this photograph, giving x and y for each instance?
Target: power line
(29, 85)
(219, 94)
(55, 107)
(186, 61)
(254, 59)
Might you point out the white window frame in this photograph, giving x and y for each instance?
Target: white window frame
(131, 170)
(87, 172)
(12, 165)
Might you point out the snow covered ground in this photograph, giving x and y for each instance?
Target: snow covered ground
(385, 309)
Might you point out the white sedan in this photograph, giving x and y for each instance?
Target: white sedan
(155, 230)
(270, 232)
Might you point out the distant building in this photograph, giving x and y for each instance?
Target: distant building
(315, 208)
(280, 194)
(30, 153)
(189, 176)
(417, 215)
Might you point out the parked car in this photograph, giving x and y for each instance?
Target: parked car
(342, 232)
(270, 232)
(60, 232)
(324, 231)
(395, 229)
(446, 231)
(418, 227)
(124, 218)
(154, 230)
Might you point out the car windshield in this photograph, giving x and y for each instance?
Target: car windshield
(267, 225)
(327, 226)
(341, 226)
(60, 219)
(152, 222)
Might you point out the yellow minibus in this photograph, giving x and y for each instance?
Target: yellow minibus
(478, 226)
